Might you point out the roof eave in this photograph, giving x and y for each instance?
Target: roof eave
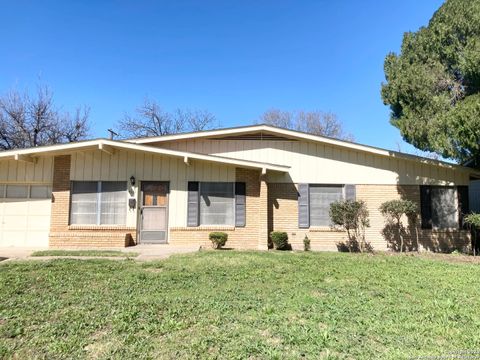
(101, 144)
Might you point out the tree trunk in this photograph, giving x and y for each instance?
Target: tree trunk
(416, 238)
(400, 237)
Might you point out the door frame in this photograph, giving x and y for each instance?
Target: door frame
(140, 224)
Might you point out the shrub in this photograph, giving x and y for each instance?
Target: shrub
(218, 239)
(393, 210)
(306, 243)
(473, 220)
(280, 240)
(353, 217)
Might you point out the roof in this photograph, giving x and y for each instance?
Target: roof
(144, 144)
(295, 134)
(109, 146)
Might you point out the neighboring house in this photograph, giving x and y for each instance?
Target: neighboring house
(246, 181)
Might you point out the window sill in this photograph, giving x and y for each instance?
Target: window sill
(204, 228)
(324, 229)
(446, 230)
(101, 227)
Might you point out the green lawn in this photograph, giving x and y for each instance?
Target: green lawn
(96, 253)
(226, 304)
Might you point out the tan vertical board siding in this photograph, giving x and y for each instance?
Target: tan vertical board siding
(321, 163)
(22, 172)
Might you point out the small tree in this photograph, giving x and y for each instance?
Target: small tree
(353, 217)
(306, 243)
(393, 210)
(474, 221)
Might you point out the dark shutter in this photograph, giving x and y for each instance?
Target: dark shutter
(463, 204)
(192, 211)
(350, 192)
(426, 206)
(303, 206)
(240, 215)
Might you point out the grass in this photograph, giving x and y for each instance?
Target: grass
(99, 253)
(239, 305)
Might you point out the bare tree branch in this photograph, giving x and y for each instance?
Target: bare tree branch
(28, 122)
(151, 120)
(313, 122)
(196, 120)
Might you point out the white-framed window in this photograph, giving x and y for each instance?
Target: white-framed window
(98, 203)
(25, 191)
(217, 203)
(320, 197)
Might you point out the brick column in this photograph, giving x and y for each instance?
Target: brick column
(263, 214)
(60, 194)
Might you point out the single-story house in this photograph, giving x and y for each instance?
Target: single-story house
(245, 181)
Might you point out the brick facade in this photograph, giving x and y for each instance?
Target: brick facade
(252, 236)
(64, 235)
(269, 207)
(283, 210)
(381, 236)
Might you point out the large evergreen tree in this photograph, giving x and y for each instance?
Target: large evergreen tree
(433, 85)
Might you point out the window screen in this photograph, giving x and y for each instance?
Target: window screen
(40, 192)
(84, 202)
(17, 191)
(444, 208)
(113, 203)
(216, 203)
(98, 203)
(2, 191)
(321, 196)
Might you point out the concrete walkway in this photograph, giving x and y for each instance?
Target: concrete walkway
(146, 252)
(18, 253)
(155, 252)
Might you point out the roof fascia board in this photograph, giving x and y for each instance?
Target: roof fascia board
(197, 156)
(104, 144)
(51, 148)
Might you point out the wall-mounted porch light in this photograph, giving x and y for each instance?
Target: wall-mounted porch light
(132, 180)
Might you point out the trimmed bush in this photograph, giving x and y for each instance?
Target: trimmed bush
(218, 239)
(306, 243)
(280, 240)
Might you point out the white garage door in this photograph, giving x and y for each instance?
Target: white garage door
(25, 215)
